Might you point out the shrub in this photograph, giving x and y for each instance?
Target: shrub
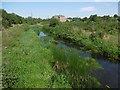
(53, 22)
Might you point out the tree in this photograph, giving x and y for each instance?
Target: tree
(115, 16)
(93, 18)
(84, 19)
(53, 22)
(106, 18)
(6, 23)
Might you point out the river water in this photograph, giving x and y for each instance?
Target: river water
(108, 75)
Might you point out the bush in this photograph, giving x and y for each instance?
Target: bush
(53, 22)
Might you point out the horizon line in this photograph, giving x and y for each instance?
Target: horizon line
(57, 14)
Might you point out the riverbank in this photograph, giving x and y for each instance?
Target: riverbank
(108, 75)
(93, 41)
(25, 62)
(29, 63)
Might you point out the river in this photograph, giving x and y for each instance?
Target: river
(108, 75)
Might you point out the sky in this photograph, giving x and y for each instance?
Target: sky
(60, 0)
(68, 9)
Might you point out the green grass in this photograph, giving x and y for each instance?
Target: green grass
(26, 62)
(69, 63)
(97, 41)
(29, 63)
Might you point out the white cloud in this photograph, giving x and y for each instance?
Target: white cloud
(89, 8)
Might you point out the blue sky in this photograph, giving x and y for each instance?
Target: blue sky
(60, 0)
(69, 9)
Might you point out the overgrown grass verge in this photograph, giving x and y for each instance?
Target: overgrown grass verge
(70, 67)
(92, 41)
(25, 62)
(76, 69)
(30, 63)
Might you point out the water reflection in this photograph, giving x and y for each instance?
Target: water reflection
(42, 34)
(107, 76)
(62, 45)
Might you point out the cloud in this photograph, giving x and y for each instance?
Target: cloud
(89, 8)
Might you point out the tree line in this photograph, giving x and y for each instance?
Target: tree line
(8, 19)
(96, 33)
(11, 18)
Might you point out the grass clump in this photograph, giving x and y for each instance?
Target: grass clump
(76, 69)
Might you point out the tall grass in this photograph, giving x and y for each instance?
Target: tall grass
(27, 63)
(98, 41)
(76, 69)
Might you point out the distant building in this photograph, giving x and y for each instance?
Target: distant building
(61, 18)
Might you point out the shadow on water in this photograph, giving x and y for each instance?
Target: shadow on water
(109, 73)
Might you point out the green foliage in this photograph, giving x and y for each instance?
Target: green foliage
(46, 28)
(25, 62)
(8, 19)
(87, 31)
(36, 29)
(59, 81)
(28, 63)
(93, 18)
(53, 22)
(75, 68)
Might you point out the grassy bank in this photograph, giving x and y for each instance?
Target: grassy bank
(30, 63)
(25, 62)
(102, 41)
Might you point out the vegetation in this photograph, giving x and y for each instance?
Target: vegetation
(85, 33)
(8, 19)
(28, 62)
(53, 22)
(25, 62)
(33, 62)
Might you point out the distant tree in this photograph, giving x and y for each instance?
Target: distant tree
(85, 19)
(115, 16)
(106, 18)
(76, 19)
(69, 18)
(93, 18)
(118, 18)
(11, 18)
(53, 22)
(6, 23)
